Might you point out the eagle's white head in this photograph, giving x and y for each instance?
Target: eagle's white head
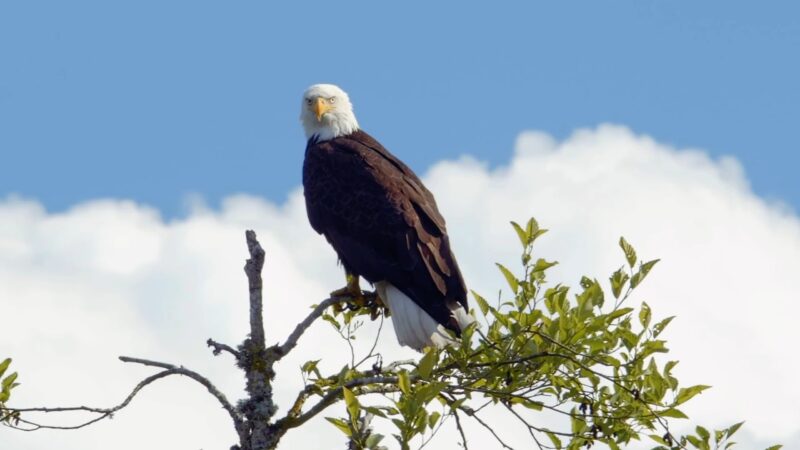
(326, 112)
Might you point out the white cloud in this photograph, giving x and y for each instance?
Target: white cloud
(111, 277)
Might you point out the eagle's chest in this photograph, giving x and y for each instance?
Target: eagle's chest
(328, 171)
(343, 186)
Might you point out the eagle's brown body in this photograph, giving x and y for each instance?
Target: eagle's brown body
(382, 221)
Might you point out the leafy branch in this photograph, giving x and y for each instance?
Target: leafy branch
(8, 383)
(548, 352)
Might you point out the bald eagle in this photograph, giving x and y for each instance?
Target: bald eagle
(382, 222)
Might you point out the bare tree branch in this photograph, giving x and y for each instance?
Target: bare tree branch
(107, 412)
(219, 348)
(257, 361)
(291, 341)
(253, 270)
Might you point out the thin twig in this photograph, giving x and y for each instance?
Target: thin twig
(491, 430)
(374, 345)
(147, 362)
(347, 338)
(435, 431)
(404, 362)
(237, 420)
(531, 429)
(295, 418)
(460, 429)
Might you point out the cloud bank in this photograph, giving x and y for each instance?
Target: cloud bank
(111, 277)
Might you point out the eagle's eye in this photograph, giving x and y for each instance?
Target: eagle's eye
(308, 101)
(332, 99)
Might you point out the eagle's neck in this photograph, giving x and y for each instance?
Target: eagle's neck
(333, 125)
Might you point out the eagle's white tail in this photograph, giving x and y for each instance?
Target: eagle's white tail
(412, 325)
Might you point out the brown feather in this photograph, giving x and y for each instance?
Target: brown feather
(382, 221)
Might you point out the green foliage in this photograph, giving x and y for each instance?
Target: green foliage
(545, 349)
(7, 383)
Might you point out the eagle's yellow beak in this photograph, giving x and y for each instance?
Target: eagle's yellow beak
(321, 107)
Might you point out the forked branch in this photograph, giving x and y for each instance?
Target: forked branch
(104, 413)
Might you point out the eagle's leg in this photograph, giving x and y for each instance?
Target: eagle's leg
(357, 298)
(352, 289)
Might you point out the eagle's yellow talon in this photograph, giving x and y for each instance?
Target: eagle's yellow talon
(352, 290)
(357, 299)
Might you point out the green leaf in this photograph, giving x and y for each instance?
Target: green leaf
(534, 405)
(578, 424)
(645, 315)
(341, 425)
(428, 392)
(523, 235)
(638, 277)
(618, 313)
(659, 327)
(542, 265)
(702, 432)
(630, 253)
(513, 283)
(650, 347)
(694, 441)
(4, 365)
(403, 382)
(658, 439)
(373, 440)
(685, 394)
(9, 380)
(775, 447)
(311, 367)
(530, 404)
(374, 411)
(618, 280)
(645, 268)
(532, 227)
(426, 363)
(675, 413)
(433, 419)
(554, 439)
(733, 429)
(482, 303)
(351, 402)
(343, 373)
(331, 320)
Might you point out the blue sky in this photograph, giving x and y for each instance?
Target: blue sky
(156, 100)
